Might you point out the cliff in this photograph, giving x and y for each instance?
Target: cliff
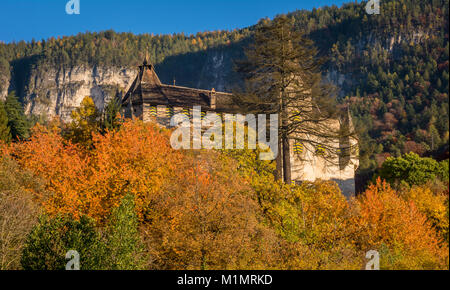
(53, 91)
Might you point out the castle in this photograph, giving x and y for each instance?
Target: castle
(147, 98)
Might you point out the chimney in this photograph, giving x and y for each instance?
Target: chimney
(212, 99)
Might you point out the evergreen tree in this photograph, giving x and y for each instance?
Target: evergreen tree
(111, 115)
(50, 240)
(283, 77)
(435, 138)
(5, 133)
(123, 241)
(17, 121)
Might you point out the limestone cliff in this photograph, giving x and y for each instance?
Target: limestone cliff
(4, 84)
(53, 91)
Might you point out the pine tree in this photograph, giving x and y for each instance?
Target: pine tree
(17, 121)
(435, 138)
(5, 133)
(111, 115)
(282, 74)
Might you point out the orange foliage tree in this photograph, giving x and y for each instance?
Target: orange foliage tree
(190, 205)
(209, 210)
(137, 159)
(60, 163)
(432, 201)
(208, 220)
(398, 230)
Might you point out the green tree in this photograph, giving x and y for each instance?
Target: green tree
(435, 138)
(17, 121)
(5, 132)
(49, 241)
(111, 115)
(124, 247)
(413, 169)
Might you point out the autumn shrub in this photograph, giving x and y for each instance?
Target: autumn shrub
(208, 220)
(60, 164)
(322, 230)
(314, 219)
(18, 211)
(188, 204)
(311, 218)
(208, 209)
(134, 160)
(398, 230)
(432, 201)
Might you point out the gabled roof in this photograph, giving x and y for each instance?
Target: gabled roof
(149, 76)
(147, 88)
(146, 78)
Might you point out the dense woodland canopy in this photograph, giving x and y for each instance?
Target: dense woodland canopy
(126, 200)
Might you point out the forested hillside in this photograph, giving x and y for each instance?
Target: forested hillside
(392, 68)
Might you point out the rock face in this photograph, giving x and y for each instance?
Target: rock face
(215, 71)
(4, 84)
(50, 91)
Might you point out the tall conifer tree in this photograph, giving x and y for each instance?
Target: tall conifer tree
(282, 73)
(5, 133)
(17, 121)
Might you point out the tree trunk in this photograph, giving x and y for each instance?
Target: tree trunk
(279, 162)
(286, 157)
(286, 160)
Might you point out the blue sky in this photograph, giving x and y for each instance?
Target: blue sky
(27, 19)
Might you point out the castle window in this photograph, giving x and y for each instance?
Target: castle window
(320, 150)
(296, 117)
(169, 112)
(186, 113)
(153, 111)
(298, 148)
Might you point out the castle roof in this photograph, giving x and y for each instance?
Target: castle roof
(147, 88)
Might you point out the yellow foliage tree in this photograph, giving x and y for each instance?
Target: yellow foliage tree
(433, 204)
(85, 122)
(397, 230)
